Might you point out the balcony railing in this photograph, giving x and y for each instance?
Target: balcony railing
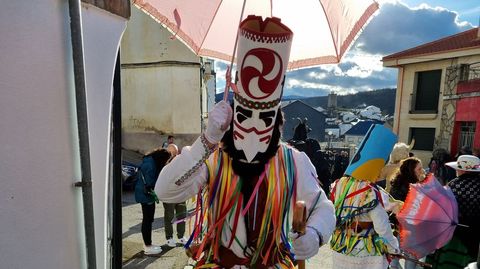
(469, 78)
(470, 72)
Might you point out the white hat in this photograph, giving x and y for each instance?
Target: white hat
(468, 163)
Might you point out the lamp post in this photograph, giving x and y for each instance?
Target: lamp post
(352, 151)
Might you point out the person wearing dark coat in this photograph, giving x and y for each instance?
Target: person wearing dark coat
(148, 172)
(437, 166)
(463, 247)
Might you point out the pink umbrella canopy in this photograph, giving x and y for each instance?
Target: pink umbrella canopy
(323, 30)
(428, 217)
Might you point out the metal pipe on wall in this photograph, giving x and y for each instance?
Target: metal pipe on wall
(82, 122)
(117, 168)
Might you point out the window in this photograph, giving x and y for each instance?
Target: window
(427, 91)
(424, 138)
(467, 132)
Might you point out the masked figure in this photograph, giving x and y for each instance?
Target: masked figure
(245, 179)
(362, 235)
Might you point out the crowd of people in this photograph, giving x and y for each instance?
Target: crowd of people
(395, 178)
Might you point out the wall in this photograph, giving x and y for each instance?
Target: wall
(405, 120)
(102, 33)
(469, 86)
(161, 86)
(39, 208)
(316, 120)
(41, 211)
(353, 139)
(467, 110)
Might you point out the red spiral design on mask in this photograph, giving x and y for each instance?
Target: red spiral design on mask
(269, 59)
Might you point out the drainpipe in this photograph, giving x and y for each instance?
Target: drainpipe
(82, 122)
(400, 103)
(117, 168)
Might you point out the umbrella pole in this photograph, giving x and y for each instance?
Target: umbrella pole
(228, 75)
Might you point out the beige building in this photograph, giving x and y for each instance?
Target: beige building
(165, 86)
(429, 89)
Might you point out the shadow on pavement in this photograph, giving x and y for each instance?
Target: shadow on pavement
(157, 224)
(141, 261)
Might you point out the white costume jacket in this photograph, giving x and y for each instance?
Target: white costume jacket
(190, 172)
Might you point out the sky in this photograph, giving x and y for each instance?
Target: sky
(397, 25)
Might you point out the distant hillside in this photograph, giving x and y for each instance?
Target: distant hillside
(383, 99)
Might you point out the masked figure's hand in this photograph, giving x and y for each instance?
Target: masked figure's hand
(218, 122)
(307, 245)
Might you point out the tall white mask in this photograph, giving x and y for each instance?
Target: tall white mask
(262, 59)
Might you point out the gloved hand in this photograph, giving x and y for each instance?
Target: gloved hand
(218, 122)
(305, 246)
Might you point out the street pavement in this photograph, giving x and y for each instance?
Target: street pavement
(132, 255)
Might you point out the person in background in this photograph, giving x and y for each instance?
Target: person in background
(410, 172)
(437, 166)
(340, 165)
(170, 140)
(174, 210)
(148, 172)
(363, 237)
(476, 152)
(464, 150)
(399, 152)
(463, 247)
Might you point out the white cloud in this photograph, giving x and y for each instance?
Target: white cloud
(317, 75)
(363, 64)
(332, 68)
(292, 83)
(321, 87)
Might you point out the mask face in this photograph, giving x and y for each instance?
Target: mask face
(252, 130)
(262, 59)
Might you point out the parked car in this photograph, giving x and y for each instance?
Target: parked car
(129, 176)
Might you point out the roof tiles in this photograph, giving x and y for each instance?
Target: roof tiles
(463, 40)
